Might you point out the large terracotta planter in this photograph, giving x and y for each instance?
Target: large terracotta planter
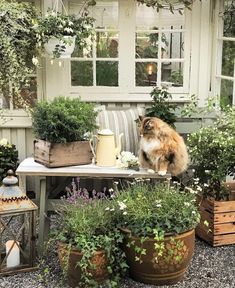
(69, 263)
(160, 270)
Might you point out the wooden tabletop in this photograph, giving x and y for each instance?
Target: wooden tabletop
(29, 167)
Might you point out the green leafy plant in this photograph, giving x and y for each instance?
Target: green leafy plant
(87, 224)
(161, 108)
(57, 25)
(159, 4)
(63, 120)
(148, 210)
(17, 47)
(8, 157)
(212, 153)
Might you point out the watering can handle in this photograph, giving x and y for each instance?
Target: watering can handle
(91, 142)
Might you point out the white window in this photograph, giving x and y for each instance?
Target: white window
(136, 48)
(225, 65)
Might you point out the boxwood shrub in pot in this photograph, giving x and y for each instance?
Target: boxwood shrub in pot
(63, 126)
(158, 222)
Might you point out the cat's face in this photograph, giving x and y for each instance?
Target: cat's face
(150, 126)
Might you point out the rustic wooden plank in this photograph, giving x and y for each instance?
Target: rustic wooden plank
(224, 206)
(226, 228)
(224, 239)
(224, 217)
(203, 233)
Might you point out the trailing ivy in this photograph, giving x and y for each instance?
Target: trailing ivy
(17, 45)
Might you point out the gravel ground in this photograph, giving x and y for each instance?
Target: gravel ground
(210, 268)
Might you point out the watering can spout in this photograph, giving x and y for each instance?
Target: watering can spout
(119, 144)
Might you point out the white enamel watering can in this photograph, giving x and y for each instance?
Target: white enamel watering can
(106, 150)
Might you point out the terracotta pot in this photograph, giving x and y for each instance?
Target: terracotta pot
(99, 274)
(160, 270)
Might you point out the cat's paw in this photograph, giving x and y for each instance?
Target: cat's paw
(162, 173)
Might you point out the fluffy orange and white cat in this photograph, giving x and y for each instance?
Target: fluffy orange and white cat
(161, 147)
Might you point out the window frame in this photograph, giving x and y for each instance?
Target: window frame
(127, 91)
(218, 43)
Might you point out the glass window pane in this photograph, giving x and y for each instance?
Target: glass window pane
(172, 20)
(106, 73)
(81, 73)
(229, 23)
(147, 18)
(172, 74)
(173, 45)
(146, 45)
(226, 93)
(146, 74)
(106, 14)
(107, 44)
(228, 58)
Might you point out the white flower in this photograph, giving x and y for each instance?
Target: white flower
(107, 208)
(124, 213)
(69, 30)
(3, 142)
(187, 204)
(112, 209)
(206, 185)
(122, 205)
(35, 61)
(193, 212)
(159, 205)
(199, 188)
(111, 190)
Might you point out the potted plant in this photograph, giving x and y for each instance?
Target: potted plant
(57, 33)
(160, 106)
(8, 157)
(212, 153)
(158, 222)
(62, 129)
(18, 47)
(88, 241)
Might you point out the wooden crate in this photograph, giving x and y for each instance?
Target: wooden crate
(62, 154)
(221, 218)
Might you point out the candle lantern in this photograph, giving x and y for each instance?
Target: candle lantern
(17, 228)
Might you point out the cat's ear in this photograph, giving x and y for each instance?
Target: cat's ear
(141, 118)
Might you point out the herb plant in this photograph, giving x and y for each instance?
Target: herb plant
(8, 157)
(161, 108)
(212, 153)
(63, 120)
(87, 224)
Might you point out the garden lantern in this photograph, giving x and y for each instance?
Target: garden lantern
(17, 228)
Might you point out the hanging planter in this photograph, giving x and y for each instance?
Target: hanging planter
(58, 33)
(62, 47)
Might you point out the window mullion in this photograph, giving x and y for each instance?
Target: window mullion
(159, 63)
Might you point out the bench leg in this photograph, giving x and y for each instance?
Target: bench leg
(43, 218)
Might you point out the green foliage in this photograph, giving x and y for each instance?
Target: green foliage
(8, 157)
(212, 153)
(159, 4)
(87, 224)
(146, 209)
(161, 108)
(63, 120)
(57, 25)
(17, 45)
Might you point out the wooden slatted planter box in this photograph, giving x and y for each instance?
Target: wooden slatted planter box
(62, 154)
(221, 218)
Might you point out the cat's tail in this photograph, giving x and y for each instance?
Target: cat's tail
(181, 160)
